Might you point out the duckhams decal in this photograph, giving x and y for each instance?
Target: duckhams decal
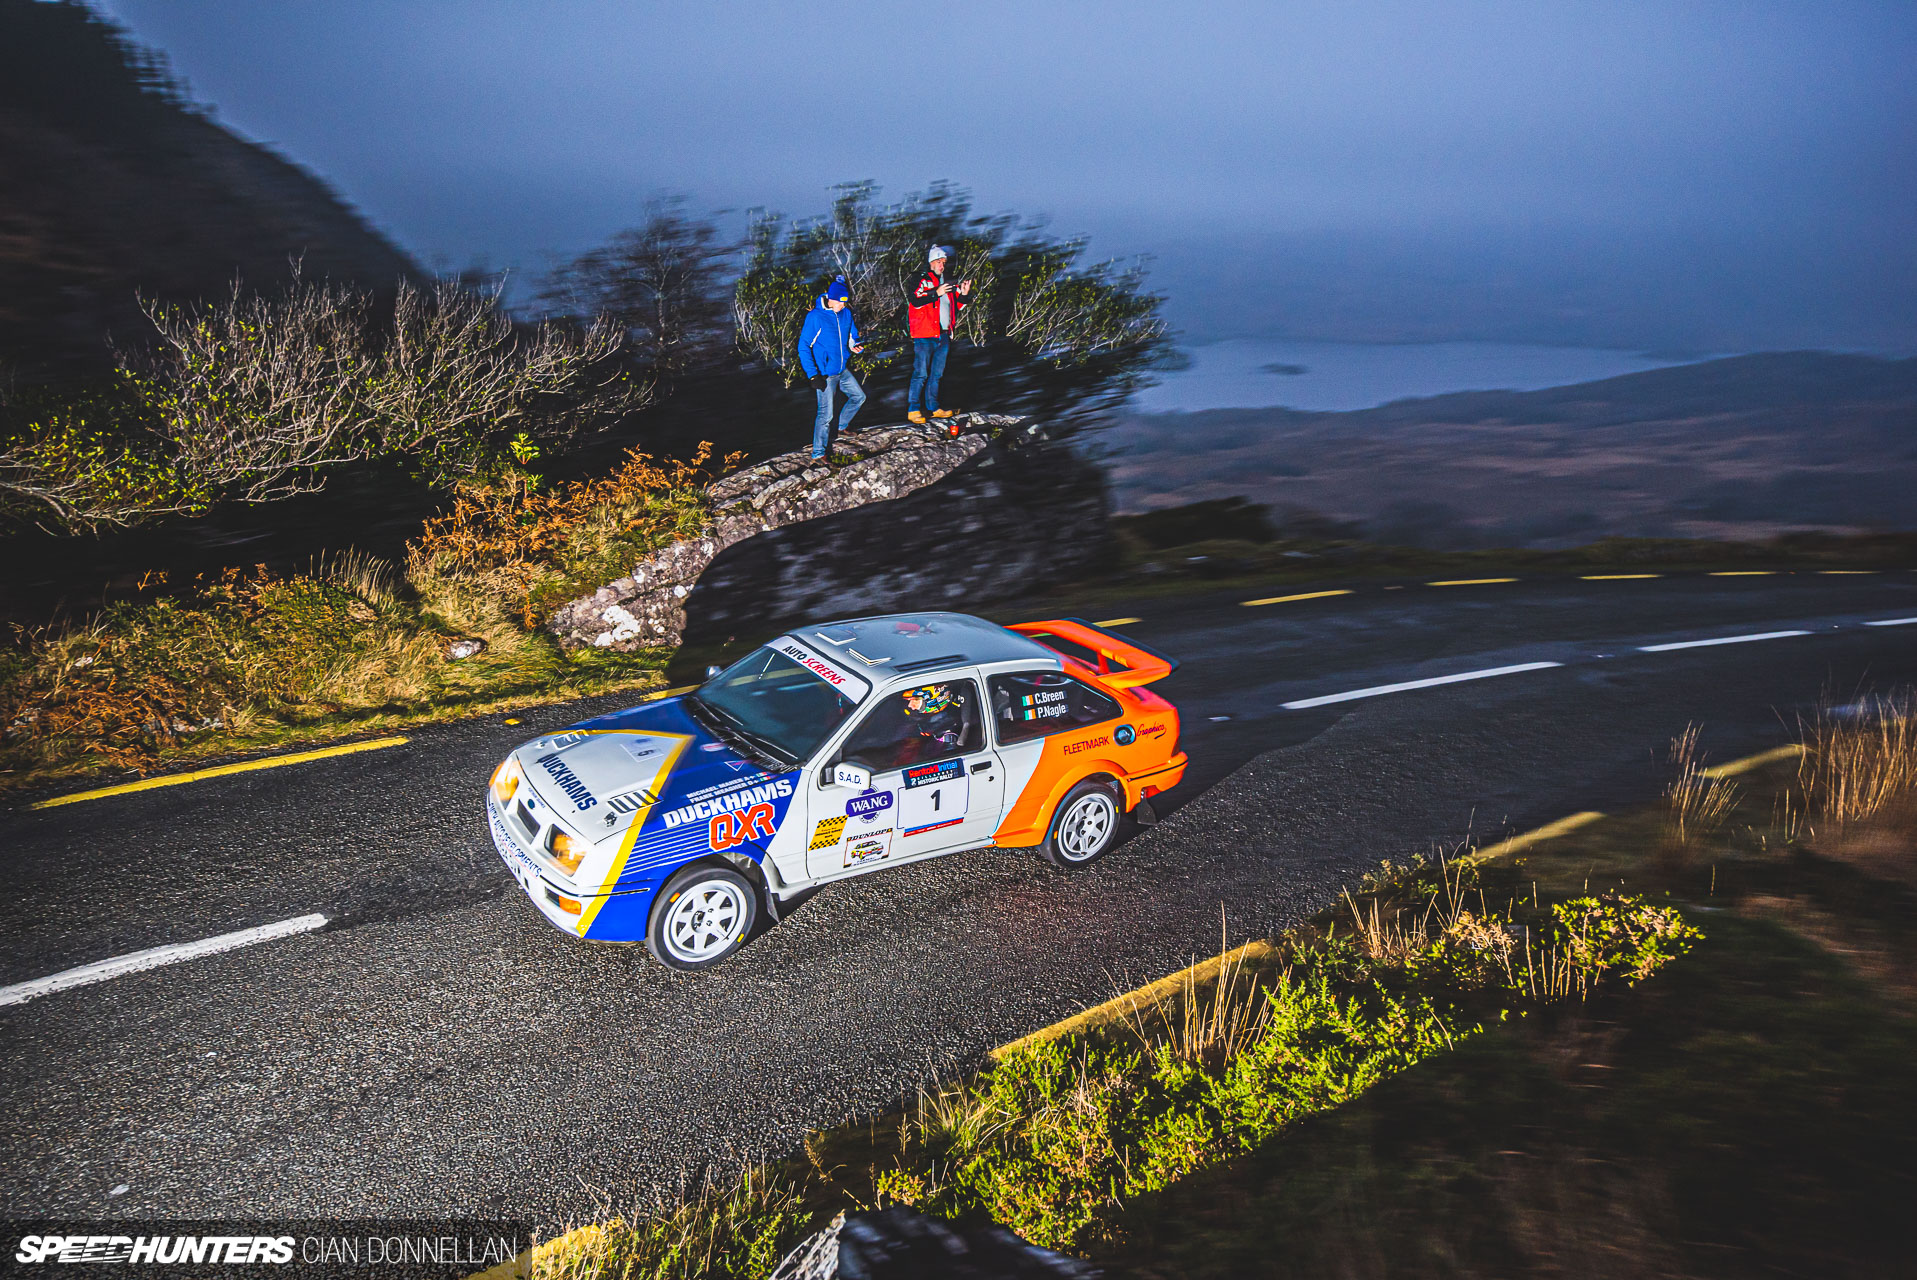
(568, 781)
(731, 801)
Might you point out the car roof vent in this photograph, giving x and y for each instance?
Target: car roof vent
(926, 664)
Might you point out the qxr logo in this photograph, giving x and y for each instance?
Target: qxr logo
(729, 830)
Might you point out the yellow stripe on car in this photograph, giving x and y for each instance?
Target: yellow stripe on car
(639, 816)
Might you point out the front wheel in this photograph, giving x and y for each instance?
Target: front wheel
(702, 915)
(1085, 826)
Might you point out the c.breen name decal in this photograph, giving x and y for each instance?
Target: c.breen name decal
(568, 781)
(1073, 748)
(847, 683)
(746, 797)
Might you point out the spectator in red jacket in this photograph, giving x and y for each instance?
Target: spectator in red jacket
(932, 310)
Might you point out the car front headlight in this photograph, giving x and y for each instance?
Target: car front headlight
(565, 850)
(506, 780)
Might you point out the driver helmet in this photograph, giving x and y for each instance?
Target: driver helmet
(928, 700)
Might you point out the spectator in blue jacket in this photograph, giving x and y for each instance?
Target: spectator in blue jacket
(827, 341)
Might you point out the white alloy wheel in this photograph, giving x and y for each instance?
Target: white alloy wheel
(704, 914)
(1086, 826)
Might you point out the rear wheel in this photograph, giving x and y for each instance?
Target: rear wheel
(702, 915)
(1085, 827)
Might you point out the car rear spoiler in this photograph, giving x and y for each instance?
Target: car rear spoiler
(1119, 660)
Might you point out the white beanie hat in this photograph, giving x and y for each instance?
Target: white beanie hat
(938, 251)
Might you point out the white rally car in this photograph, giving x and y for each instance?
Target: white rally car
(833, 751)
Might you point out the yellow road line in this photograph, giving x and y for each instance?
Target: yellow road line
(1742, 573)
(1549, 831)
(1836, 572)
(1117, 622)
(244, 766)
(1468, 582)
(1616, 577)
(1308, 595)
(270, 762)
(1119, 1007)
(1790, 751)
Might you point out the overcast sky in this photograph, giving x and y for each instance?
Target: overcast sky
(1665, 175)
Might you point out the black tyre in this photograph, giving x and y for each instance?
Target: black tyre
(1086, 825)
(703, 914)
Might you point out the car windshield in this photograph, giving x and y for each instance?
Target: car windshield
(776, 704)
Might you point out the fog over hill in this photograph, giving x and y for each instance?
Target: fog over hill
(1747, 447)
(116, 184)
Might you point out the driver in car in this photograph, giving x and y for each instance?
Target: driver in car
(934, 721)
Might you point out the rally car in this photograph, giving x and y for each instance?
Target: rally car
(831, 752)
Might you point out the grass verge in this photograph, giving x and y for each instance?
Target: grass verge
(252, 660)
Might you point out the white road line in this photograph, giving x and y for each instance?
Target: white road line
(1376, 690)
(1705, 644)
(154, 957)
(1892, 622)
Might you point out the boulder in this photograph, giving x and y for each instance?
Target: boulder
(900, 1243)
(918, 518)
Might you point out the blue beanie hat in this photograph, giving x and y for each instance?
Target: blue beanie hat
(836, 291)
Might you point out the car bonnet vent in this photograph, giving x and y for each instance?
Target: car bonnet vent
(926, 664)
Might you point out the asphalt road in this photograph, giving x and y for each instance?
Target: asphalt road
(440, 1049)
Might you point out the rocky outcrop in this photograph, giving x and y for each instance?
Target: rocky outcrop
(648, 606)
(900, 1243)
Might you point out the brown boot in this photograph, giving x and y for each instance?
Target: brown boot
(915, 416)
(944, 413)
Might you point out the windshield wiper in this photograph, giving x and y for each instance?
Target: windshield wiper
(776, 753)
(729, 726)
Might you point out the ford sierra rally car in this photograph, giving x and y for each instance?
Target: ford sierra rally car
(831, 752)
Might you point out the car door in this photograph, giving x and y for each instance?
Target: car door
(936, 785)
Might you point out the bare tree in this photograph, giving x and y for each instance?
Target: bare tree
(259, 397)
(665, 281)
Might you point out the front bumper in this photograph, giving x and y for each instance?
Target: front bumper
(532, 878)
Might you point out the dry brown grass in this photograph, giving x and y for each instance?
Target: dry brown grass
(252, 658)
(1698, 804)
(1862, 759)
(535, 546)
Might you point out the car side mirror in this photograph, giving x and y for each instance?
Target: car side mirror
(856, 776)
(713, 673)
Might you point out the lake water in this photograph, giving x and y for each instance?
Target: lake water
(1259, 372)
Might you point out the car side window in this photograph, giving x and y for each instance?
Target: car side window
(918, 726)
(1035, 704)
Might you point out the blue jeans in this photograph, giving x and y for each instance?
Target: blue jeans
(822, 425)
(928, 365)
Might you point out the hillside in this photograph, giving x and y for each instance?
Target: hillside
(1748, 447)
(117, 184)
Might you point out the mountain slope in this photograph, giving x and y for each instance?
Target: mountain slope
(113, 184)
(1748, 447)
